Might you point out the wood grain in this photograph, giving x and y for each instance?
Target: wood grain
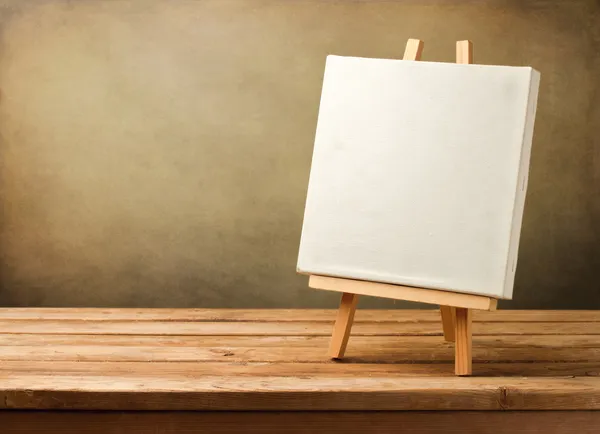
(483, 422)
(325, 393)
(285, 315)
(202, 360)
(239, 349)
(192, 369)
(467, 422)
(299, 328)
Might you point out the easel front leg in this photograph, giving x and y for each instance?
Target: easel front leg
(448, 321)
(343, 325)
(463, 356)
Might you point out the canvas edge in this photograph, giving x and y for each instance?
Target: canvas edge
(301, 245)
(522, 184)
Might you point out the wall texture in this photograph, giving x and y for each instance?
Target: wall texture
(156, 153)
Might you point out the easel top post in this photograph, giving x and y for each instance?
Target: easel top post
(413, 50)
(464, 52)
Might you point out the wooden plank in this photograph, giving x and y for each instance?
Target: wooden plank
(283, 369)
(526, 365)
(284, 328)
(481, 422)
(376, 349)
(519, 342)
(287, 315)
(343, 325)
(48, 392)
(399, 292)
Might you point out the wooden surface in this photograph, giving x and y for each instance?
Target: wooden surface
(399, 292)
(443, 422)
(119, 359)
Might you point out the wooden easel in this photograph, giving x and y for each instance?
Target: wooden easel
(455, 308)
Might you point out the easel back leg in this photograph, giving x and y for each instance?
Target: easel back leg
(448, 321)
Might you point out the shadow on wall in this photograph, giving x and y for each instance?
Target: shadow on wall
(157, 153)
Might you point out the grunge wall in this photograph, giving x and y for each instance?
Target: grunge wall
(156, 153)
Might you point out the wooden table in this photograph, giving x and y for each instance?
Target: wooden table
(185, 370)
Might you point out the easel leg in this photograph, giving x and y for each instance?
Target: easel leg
(343, 324)
(448, 321)
(463, 357)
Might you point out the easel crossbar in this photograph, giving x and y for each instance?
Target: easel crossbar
(399, 292)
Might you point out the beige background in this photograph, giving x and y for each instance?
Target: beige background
(156, 153)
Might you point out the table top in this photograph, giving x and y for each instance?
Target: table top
(202, 359)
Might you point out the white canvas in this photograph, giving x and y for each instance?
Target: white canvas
(419, 174)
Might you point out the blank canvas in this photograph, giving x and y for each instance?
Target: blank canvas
(419, 174)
